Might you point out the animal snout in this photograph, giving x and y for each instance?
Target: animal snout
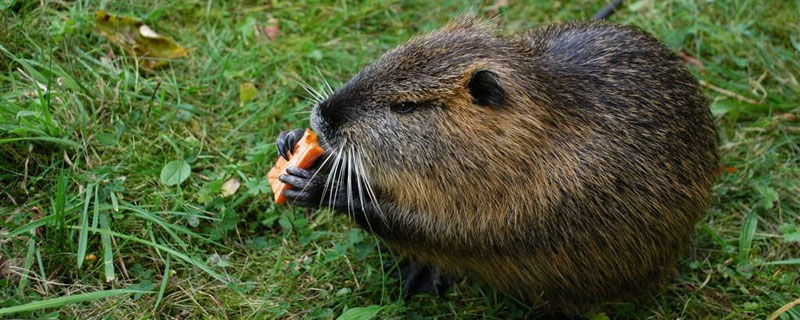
(326, 119)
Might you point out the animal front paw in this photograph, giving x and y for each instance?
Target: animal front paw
(307, 186)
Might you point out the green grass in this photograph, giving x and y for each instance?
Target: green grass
(84, 135)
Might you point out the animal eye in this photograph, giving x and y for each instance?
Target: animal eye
(403, 107)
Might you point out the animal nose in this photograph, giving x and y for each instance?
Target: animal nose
(341, 107)
(330, 113)
(329, 118)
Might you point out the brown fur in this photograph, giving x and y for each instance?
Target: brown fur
(582, 188)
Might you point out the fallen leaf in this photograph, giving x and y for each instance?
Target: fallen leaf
(731, 170)
(693, 61)
(90, 257)
(37, 213)
(247, 92)
(230, 187)
(788, 117)
(495, 8)
(138, 39)
(271, 32)
(272, 29)
(182, 315)
(6, 266)
(216, 260)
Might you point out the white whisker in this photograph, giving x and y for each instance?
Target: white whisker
(359, 177)
(317, 97)
(311, 96)
(370, 191)
(328, 181)
(317, 171)
(339, 178)
(313, 100)
(349, 186)
(358, 184)
(328, 85)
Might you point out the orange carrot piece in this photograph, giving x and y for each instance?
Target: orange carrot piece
(305, 153)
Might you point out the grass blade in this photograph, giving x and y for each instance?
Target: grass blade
(26, 268)
(168, 227)
(746, 236)
(165, 225)
(60, 301)
(784, 309)
(30, 226)
(96, 215)
(721, 242)
(61, 198)
(64, 142)
(783, 262)
(114, 201)
(108, 253)
(84, 229)
(177, 254)
(42, 274)
(163, 287)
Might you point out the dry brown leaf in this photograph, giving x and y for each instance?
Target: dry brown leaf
(693, 61)
(138, 39)
(495, 8)
(6, 266)
(788, 117)
(230, 187)
(272, 29)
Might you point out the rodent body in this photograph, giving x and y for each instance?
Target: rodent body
(567, 165)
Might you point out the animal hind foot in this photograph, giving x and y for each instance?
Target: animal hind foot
(419, 278)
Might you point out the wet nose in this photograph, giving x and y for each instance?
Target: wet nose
(328, 118)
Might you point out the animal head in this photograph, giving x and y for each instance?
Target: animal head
(441, 106)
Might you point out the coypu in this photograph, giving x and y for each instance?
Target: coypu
(567, 165)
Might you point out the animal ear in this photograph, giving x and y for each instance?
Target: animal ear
(486, 90)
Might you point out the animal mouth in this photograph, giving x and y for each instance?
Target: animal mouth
(322, 128)
(345, 161)
(346, 170)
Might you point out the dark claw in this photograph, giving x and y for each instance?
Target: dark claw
(282, 144)
(287, 140)
(282, 147)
